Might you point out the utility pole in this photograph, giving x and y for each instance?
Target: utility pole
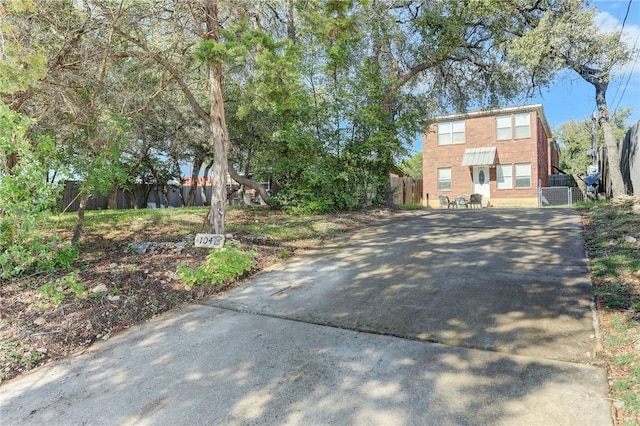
(593, 174)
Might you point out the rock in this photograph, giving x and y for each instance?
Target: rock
(618, 404)
(113, 265)
(101, 288)
(39, 321)
(139, 248)
(629, 239)
(41, 350)
(113, 298)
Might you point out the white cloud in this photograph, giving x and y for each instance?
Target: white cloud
(607, 22)
(625, 88)
(630, 36)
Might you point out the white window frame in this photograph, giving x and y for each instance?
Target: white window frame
(504, 175)
(503, 125)
(522, 171)
(445, 182)
(522, 125)
(451, 133)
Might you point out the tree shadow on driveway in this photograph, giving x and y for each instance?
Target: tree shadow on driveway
(205, 365)
(346, 335)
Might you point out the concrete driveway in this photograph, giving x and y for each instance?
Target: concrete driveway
(426, 317)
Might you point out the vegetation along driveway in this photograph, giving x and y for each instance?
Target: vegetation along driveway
(425, 317)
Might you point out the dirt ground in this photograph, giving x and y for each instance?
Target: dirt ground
(122, 287)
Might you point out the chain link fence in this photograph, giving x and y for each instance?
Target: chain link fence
(560, 196)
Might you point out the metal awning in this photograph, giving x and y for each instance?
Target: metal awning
(479, 156)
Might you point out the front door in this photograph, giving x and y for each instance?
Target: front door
(481, 182)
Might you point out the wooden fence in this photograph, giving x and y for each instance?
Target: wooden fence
(145, 195)
(406, 190)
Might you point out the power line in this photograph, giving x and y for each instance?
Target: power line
(630, 74)
(624, 21)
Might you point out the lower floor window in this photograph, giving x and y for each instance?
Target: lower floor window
(523, 175)
(505, 176)
(444, 179)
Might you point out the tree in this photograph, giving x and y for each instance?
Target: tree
(320, 97)
(575, 141)
(22, 63)
(575, 138)
(26, 198)
(213, 49)
(413, 166)
(571, 40)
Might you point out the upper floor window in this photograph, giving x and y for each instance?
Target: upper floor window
(450, 133)
(503, 127)
(520, 123)
(523, 126)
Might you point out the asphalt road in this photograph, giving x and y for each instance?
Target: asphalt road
(423, 318)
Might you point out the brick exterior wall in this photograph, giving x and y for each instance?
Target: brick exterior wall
(480, 131)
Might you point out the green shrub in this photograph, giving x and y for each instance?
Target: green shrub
(65, 255)
(26, 199)
(58, 289)
(221, 266)
(35, 256)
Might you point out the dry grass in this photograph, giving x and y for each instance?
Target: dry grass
(612, 237)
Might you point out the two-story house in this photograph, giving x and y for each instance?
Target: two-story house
(504, 154)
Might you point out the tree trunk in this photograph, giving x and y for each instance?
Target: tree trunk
(161, 186)
(291, 29)
(610, 144)
(181, 195)
(219, 133)
(581, 186)
(131, 197)
(156, 194)
(77, 229)
(112, 203)
(250, 184)
(181, 182)
(197, 164)
(165, 194)
(203, 188)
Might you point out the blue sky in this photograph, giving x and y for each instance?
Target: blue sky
(572, 98)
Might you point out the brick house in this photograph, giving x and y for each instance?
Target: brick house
(503, 154)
